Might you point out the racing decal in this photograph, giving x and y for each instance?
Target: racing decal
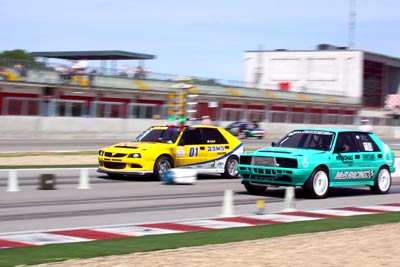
(202, 165)
(368, 157)
(220, 166)
(355, 175)
(344, 157)
(215, 148)
(368, 146)
(236, 151)
(180, 152)
(193, 152)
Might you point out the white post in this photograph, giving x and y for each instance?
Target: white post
(289, 199)
(12, 181)
(84, 179)
(227, 206)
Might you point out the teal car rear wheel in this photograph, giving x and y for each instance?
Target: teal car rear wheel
(383, 182)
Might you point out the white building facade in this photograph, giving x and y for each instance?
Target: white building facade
(329, 71)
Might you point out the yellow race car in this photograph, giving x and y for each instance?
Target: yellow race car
(207, 148)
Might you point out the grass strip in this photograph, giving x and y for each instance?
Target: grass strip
(48, 153)
(60, 252)
(63, 166)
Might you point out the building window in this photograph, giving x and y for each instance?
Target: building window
(232, 114)
(256, 115)
(20, 106)
(144, 111)
(373, 84)
(105, 109)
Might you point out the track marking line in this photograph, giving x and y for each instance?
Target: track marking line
(13, 244)
(45, 237)
(341, 212)
(248, 220)
(214, 224)
(134, 230)
(176, 227)
(311, 214)
(392, 204)
(362, 209)
(383, 208)
(282, 218)
(42, 238)
(88, 234)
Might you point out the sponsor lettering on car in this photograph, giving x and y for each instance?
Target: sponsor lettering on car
(355, 174)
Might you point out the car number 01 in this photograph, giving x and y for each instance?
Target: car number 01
(193, 152)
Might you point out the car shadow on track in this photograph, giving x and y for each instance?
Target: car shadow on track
(151, 178)
(122, 178)
(300, 193)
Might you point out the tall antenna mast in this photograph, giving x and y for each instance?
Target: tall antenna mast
(352, 24)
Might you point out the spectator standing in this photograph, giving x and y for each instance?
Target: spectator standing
(140, 73)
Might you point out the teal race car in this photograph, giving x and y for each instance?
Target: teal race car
(317, 159)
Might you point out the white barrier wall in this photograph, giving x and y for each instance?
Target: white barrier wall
(72, 127)
(27, 127)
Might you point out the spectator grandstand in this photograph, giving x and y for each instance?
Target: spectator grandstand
(47, 90)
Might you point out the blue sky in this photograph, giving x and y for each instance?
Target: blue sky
(204, 38)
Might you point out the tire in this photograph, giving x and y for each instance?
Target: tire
(383, 182)
(255, 189)
(162, 165)
(231, 167)
(317, 186)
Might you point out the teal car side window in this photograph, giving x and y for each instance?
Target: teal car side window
(345, 143)
(365, 143)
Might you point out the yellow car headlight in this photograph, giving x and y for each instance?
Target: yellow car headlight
(134, 155)
(101, 152)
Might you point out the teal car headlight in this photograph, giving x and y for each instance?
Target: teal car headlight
(135, 155)
(304, 162)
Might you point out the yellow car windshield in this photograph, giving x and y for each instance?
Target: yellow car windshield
(167, 135)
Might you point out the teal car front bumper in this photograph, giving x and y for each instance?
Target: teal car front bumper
(273, 175)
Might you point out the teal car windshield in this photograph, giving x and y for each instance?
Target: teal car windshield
(306, 139)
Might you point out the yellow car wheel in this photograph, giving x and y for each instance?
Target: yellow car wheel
(162, 165)
(231, 167)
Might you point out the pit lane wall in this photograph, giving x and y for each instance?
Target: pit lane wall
(33, 127)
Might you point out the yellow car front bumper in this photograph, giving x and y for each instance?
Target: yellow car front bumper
(125, 166)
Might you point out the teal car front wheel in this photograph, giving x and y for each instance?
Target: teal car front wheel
(318, 184)
(255, 189)
(383, 182)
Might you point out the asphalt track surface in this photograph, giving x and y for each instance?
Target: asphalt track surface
(28, 145)
(142, 200)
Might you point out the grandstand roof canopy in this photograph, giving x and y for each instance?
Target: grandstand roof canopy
(94, 55)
